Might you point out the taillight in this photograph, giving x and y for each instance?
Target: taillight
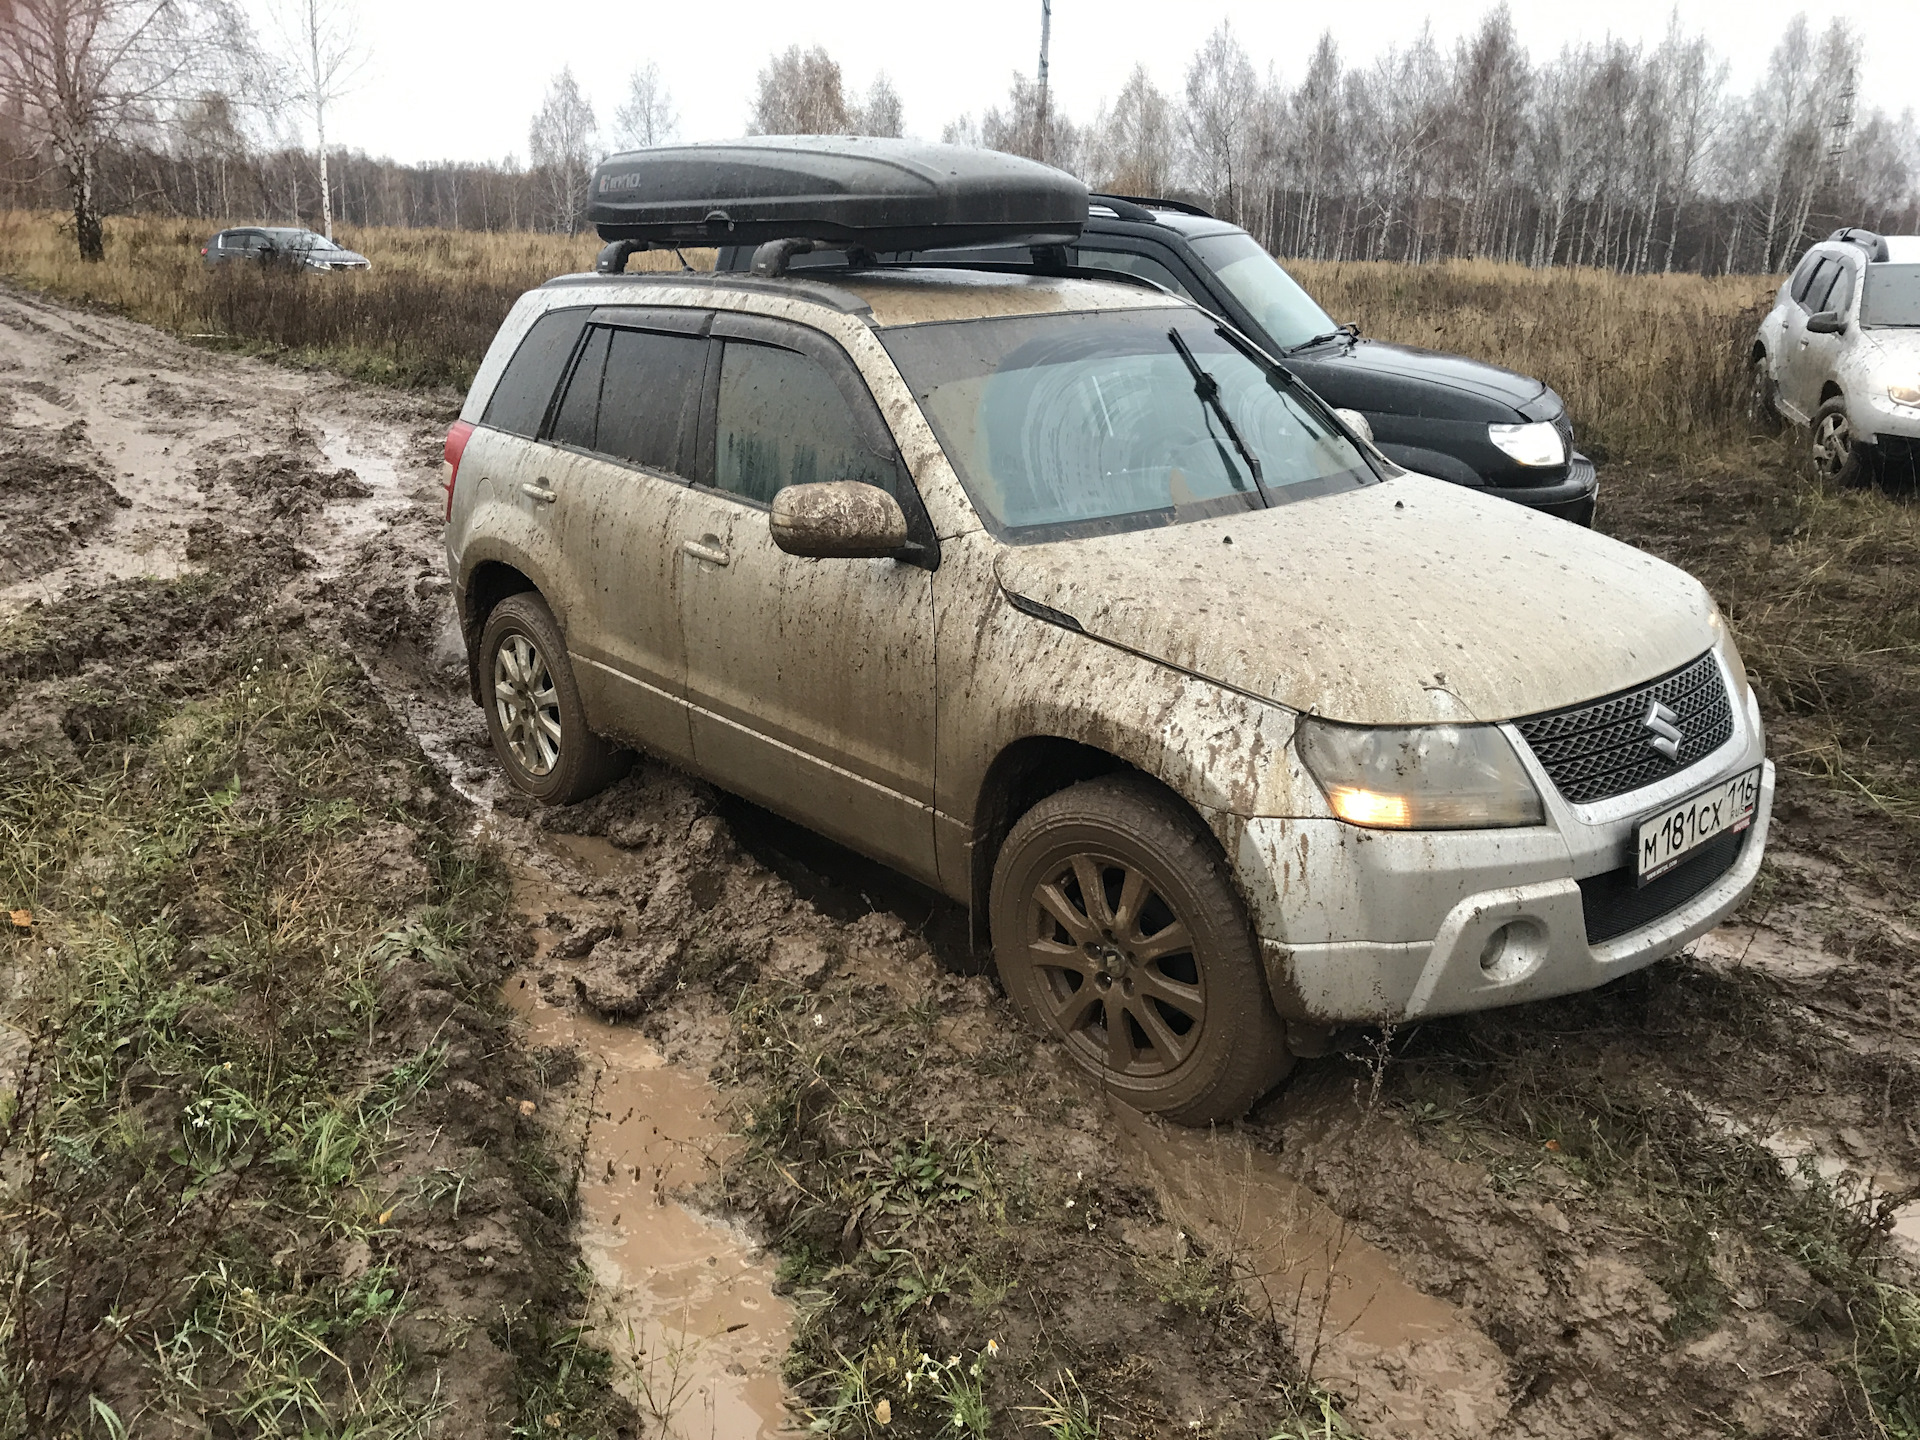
(203, 249)
(457, 437)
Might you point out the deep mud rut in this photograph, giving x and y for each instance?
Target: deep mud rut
(1438, 1273)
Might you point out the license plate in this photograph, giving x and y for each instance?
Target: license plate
(1662, 841)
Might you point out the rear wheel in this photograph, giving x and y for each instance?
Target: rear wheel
(534, 715)
(1835, 449)
(1116, 930)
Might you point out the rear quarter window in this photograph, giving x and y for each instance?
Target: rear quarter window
(519, 402)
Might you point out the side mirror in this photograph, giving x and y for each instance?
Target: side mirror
(838, 520)
(1827, 322)
(1357, 423)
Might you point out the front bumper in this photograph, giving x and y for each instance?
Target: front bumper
(1570, 499)
(1386, 926)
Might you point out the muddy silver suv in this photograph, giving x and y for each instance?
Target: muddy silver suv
(1056, 595)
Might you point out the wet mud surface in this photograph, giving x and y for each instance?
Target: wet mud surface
(802, 1136)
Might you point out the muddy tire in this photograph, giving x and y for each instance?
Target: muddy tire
(1117, 931)
(533, 709)
(1762, 413)
(1833, 449)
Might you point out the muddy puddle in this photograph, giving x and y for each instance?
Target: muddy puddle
(684, 1302)
(1419, 1367)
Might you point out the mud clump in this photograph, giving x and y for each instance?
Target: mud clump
(286, 485)
(49, 506)
(623, 978)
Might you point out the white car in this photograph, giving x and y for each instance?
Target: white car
(1840, 354)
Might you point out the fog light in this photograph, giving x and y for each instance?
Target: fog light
(1513, 950)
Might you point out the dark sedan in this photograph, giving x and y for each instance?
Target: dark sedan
(281, 245)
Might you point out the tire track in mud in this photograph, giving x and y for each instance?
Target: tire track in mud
(1456, 1255)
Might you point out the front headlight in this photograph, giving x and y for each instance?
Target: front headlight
(1420, 777)
(1904, 395)
(1536, 444)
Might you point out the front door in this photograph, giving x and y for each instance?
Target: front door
(810, 682)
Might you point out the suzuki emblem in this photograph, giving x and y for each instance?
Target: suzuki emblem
(1667, 734)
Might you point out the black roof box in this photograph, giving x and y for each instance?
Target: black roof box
(853, 190)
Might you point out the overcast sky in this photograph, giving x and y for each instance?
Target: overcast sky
(460, 81)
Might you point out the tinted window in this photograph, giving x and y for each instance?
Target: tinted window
(1280, 307)
(519, 401)
(575, 420)
(1822, 282)
(1803, 277)
(650, 397)
(1131, 264)
(1086, 424)
(782, 421)
(1841, 296)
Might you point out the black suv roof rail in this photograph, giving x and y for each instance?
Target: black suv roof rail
(1144, 206)
(1874, 245)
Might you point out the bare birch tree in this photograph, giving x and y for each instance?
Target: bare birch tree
(560, 146)
(323, 59)
(647, 116)
(82, 75)
(799, 93)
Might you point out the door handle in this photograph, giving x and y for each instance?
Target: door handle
(713, 553)
(540, 493)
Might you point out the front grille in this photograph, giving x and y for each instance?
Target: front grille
(1601, 749)
(1615, 903)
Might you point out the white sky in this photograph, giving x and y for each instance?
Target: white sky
(461, 80)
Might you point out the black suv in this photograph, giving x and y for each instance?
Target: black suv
(1442, 415)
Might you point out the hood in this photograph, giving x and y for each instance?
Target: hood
(1408, 365)
(1894, 346)
(1405, 602)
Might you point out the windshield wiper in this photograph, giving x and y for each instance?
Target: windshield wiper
(1208, 389)
(1349, 331)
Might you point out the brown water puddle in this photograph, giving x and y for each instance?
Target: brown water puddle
(1407, 1364)
(683, 1301)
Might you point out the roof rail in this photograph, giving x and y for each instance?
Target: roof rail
(1147, 205)
(1874, 245)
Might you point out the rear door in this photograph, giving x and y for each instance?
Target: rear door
(621, 445)
(810, 682)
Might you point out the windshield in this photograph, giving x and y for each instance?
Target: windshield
(1285, 311)
(1891, 296)
(1088, 424)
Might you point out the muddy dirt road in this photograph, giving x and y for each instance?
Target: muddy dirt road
(804, 1132)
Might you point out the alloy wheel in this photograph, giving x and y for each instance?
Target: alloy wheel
(1118, 976)
(1832, 445)
(528, 705)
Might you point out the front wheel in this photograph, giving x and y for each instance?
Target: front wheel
(534, 715)
(1835, 449)
(1117, 931)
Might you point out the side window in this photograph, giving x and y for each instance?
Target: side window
(1840, 298)
(1822, 286)
(1803, 277)
(519, 402)
(578, 415)
(651, 397)
(782, 421)
(1127, 262)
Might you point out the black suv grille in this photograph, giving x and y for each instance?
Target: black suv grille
(1615, 902)
(1601, 749)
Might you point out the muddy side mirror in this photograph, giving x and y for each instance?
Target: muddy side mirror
(1357, 423)
(838, 520)
(1827, 322)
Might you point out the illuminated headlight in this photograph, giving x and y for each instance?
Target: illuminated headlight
(1905, 395)
(1421, 777)
(1536, 444)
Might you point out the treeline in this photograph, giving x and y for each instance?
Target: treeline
(1630, 157)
